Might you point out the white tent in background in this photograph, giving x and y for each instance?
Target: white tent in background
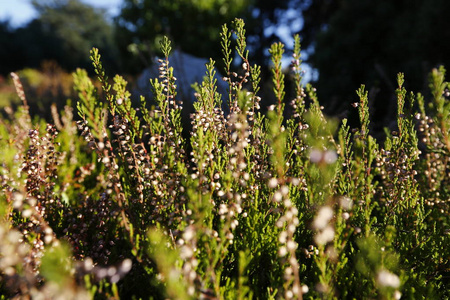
(188, 69)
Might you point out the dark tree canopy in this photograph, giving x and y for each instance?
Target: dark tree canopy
(64, 32)
(368, 42)
(79, 27)
(193, 26)
(27, 46)
(8, 48)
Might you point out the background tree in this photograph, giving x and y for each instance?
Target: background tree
(362, 41)
(193, 26)
(36, 44)
(8, 49)
(64, 32)
(26, 47)
(78, 27)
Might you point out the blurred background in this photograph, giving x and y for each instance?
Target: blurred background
(345, 43)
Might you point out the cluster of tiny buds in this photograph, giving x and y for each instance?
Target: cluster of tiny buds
(111, 273)
(85, 131)
(436, 167)
(188, 247)
(168, 80)
(318, 156)
(40, 163)
(310, 251)
(295, 291)
(229, 213)
(325, 231)
(31, 205)
(19, 88)
(34, 224)
(96, 215)
(429, 131)
(42, 228)
(285, 237)
(322, 223)
(446, 92)
(386, 279)
(239, 142)
(237, 81)
(206, 120)
(19, 265)
(239, 167)
(297, 103)
(398, 165)
(288, 246)
(13, 250)
(295, 63)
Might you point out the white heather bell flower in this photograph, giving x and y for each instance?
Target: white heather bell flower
(189, 233)
(223, 209)
(273, 182)
(186, 252)
(305, 289)
(277, 196)
(283, 237)
(345, 215)
(330, 156)
(318, 156)
(388, 279)
(323, 217)
(346, 203)
(325, 236)
(291, 245)
(282, 251)
(397, 295)
(315, 155)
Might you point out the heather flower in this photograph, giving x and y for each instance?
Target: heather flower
(387, 279)
(273, 182)
(323, 217)
(325, 236)
(346, 203)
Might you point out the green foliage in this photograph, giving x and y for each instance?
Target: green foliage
(282, 205)
(56, 265)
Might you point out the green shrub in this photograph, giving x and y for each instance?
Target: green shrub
(120, 204)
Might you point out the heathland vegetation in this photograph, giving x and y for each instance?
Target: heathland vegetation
(115, 200)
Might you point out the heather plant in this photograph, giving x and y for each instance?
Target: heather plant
(120, 203)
